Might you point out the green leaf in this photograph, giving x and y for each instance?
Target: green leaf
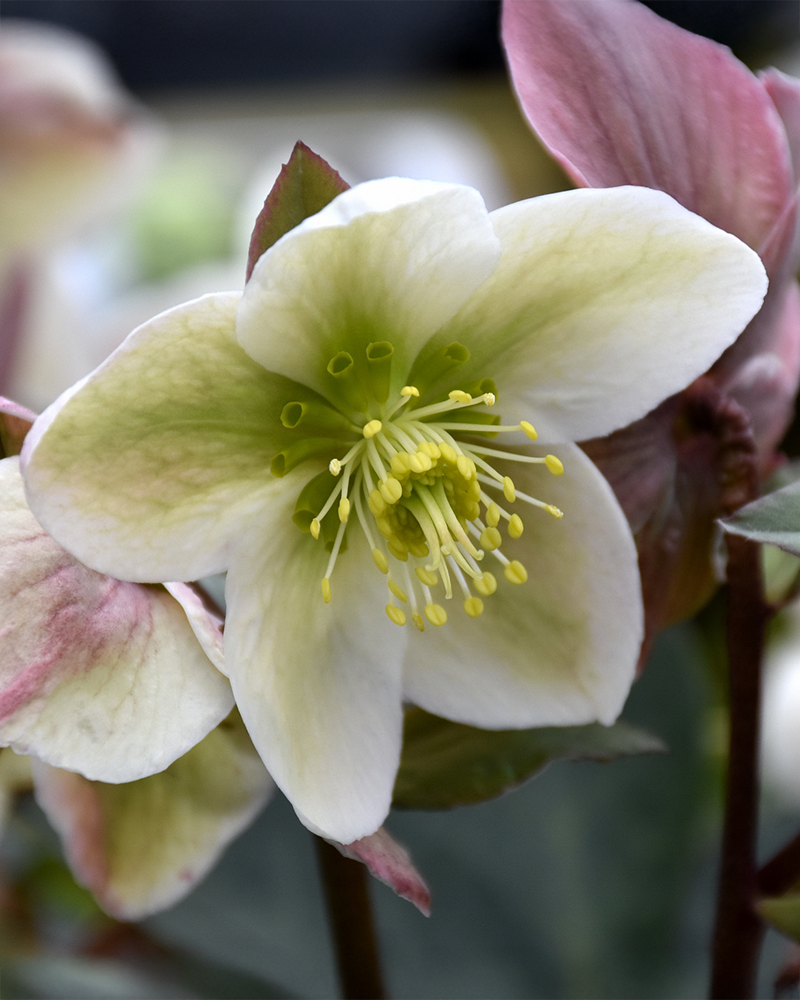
(783, 912)
(305, 185)
(447, 764)
(774, 519)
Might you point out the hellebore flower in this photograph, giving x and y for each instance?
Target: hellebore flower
(619, 96)
(326, 437)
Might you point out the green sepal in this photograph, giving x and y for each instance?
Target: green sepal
(446, 764)
(782, 912)
(305, 185)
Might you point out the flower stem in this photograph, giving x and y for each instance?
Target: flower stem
(738, 930)
(350, 913)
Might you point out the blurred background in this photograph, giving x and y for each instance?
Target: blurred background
(591, 880)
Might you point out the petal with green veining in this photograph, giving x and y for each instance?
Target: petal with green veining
(603, 303)
(150, 466)
(318, 685)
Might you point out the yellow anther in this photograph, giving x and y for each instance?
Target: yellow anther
(490, 399)
(435, 614)
(509, 492)
(416, 618)
(420, 462)
(426, 576)
(371, 428)
(376, 503)
(430, 449)
(460, 397)
(419, 549)
(492, 515)
(515, 572)
(491, 539)
(529, 429)
(397, 549)
(409, 390)
(334, 467)
(486, 584)
(448, 453)
(558, 514)
(473, 606)
(315, 528)
(391, 490)
(465, 466)
(326, 590)
(396, 615)
(380, 560)
(398, 593)
(555, 465)
(344, 510)
(400, 463)
(515, 526)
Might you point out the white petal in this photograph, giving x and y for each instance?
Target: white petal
(387, 260)
(148, 468)
(604, 303)
(558, 650)
(98, 676)
(318, 685)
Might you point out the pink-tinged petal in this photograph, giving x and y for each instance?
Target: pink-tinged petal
(142, 846)
(392, 864)
(785, 94)
(763, 370)
(15, 422)
(620, 96)
(98, 676)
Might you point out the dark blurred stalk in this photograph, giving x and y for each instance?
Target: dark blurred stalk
(350, 913)
(739, 930)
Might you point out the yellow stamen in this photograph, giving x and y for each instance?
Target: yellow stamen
(398, 593)
(417, 619)
(435, 614)
(491, 539)
(326, 590)
(493, 515)
(391, 490)
(396, 615)
(460, 397)
(529, 429)
(409, 390)
(509, 492)
(558, 514)
(425, 576)
(555, 465)
(473, 606)
(380, 560)
(315, 528)
(372, 428)
(515, 526)
(334, 467)
(486, 584)
(515, 572)
(344, 510)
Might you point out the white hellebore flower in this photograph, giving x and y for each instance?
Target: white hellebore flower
(327, 438)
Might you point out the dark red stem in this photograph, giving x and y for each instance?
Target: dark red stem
(738, 930)
(350, 912)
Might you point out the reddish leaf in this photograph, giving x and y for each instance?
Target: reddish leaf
(305, 185)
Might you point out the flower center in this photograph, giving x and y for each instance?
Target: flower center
(429, 502)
